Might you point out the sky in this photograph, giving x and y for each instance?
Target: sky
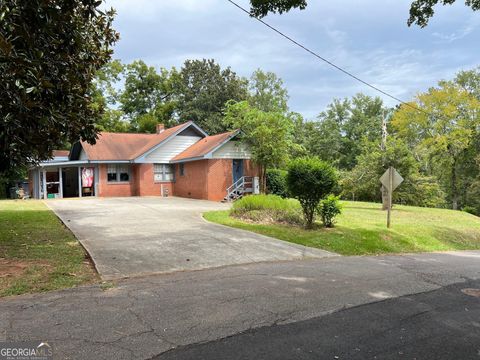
(369, 38)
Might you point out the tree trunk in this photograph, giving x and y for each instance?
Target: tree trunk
(263, 179)
(309, 217)
(454, 187)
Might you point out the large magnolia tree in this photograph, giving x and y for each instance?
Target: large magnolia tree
(49, 54)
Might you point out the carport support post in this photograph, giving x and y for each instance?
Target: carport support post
(60, 179)
(44, 183)
(79, 182)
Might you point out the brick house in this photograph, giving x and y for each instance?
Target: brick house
(180, 161)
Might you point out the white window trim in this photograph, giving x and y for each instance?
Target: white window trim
(118, 181)
(164, 173)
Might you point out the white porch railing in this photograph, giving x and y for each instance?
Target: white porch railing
(242, 186)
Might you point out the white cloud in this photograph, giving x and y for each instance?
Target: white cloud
(368, 38)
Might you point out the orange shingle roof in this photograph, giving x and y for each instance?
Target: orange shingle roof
(121, 146)
(204, 146)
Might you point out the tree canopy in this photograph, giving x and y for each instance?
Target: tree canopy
(202, 88)
(147, 96)
(267, 92)
(420, 10)
(341, 130)
(269, 134)
(261, 8)
(443, 133)
(49, 54)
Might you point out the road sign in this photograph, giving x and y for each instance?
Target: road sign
(396, 180)
(390, 179)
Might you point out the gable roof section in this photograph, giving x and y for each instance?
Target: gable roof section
(121, 146)
(203, 148)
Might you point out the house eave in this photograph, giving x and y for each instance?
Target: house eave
(196, 158)
(140, 157)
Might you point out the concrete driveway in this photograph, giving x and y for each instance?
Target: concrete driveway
(147, 235)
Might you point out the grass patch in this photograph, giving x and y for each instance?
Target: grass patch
(37, 252)
(361, 230)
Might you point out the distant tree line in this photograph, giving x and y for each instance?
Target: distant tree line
(434, 143)
(135, 97)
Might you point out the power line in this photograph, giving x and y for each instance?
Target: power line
(325, 60)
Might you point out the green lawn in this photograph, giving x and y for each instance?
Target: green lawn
(37, 252)
(361, 230)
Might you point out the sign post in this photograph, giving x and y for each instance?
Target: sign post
(391, 179)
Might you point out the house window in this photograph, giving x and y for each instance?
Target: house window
(182, 169)
(162, 172)
(118, 172)
(112, 173)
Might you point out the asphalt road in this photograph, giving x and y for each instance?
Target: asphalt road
(140, 318)
(436, 325)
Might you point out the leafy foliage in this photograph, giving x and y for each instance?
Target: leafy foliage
(277, 182)
(422, 10)
(362, 183)
(328, 209)
(341, 130)
(267, 92)
(269, 134)
(202, 88)
(261, 8)
(310, 180)
(146, 98)
(105, 96)
(49, 53)
(469, 209)
(443, 139)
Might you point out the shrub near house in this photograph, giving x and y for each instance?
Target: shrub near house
(310, 180)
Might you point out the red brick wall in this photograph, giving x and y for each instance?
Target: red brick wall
(203, 179)
(109, 189)
(145, 183)
(250, 169)
(194, 182)
(220, 176)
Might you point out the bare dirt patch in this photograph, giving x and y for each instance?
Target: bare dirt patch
(12, 268)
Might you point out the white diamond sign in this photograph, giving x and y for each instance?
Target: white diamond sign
(397, 179)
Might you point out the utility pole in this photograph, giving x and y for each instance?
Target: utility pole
(383, 147)
(384, 132)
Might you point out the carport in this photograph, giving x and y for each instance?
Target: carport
(64, 180)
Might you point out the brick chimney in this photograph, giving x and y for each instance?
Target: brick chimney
(160, 128)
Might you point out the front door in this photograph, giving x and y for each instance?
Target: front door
(237, 169)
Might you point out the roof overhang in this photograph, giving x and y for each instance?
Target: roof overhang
(152, 149)
(208, 155)
(79, 162)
